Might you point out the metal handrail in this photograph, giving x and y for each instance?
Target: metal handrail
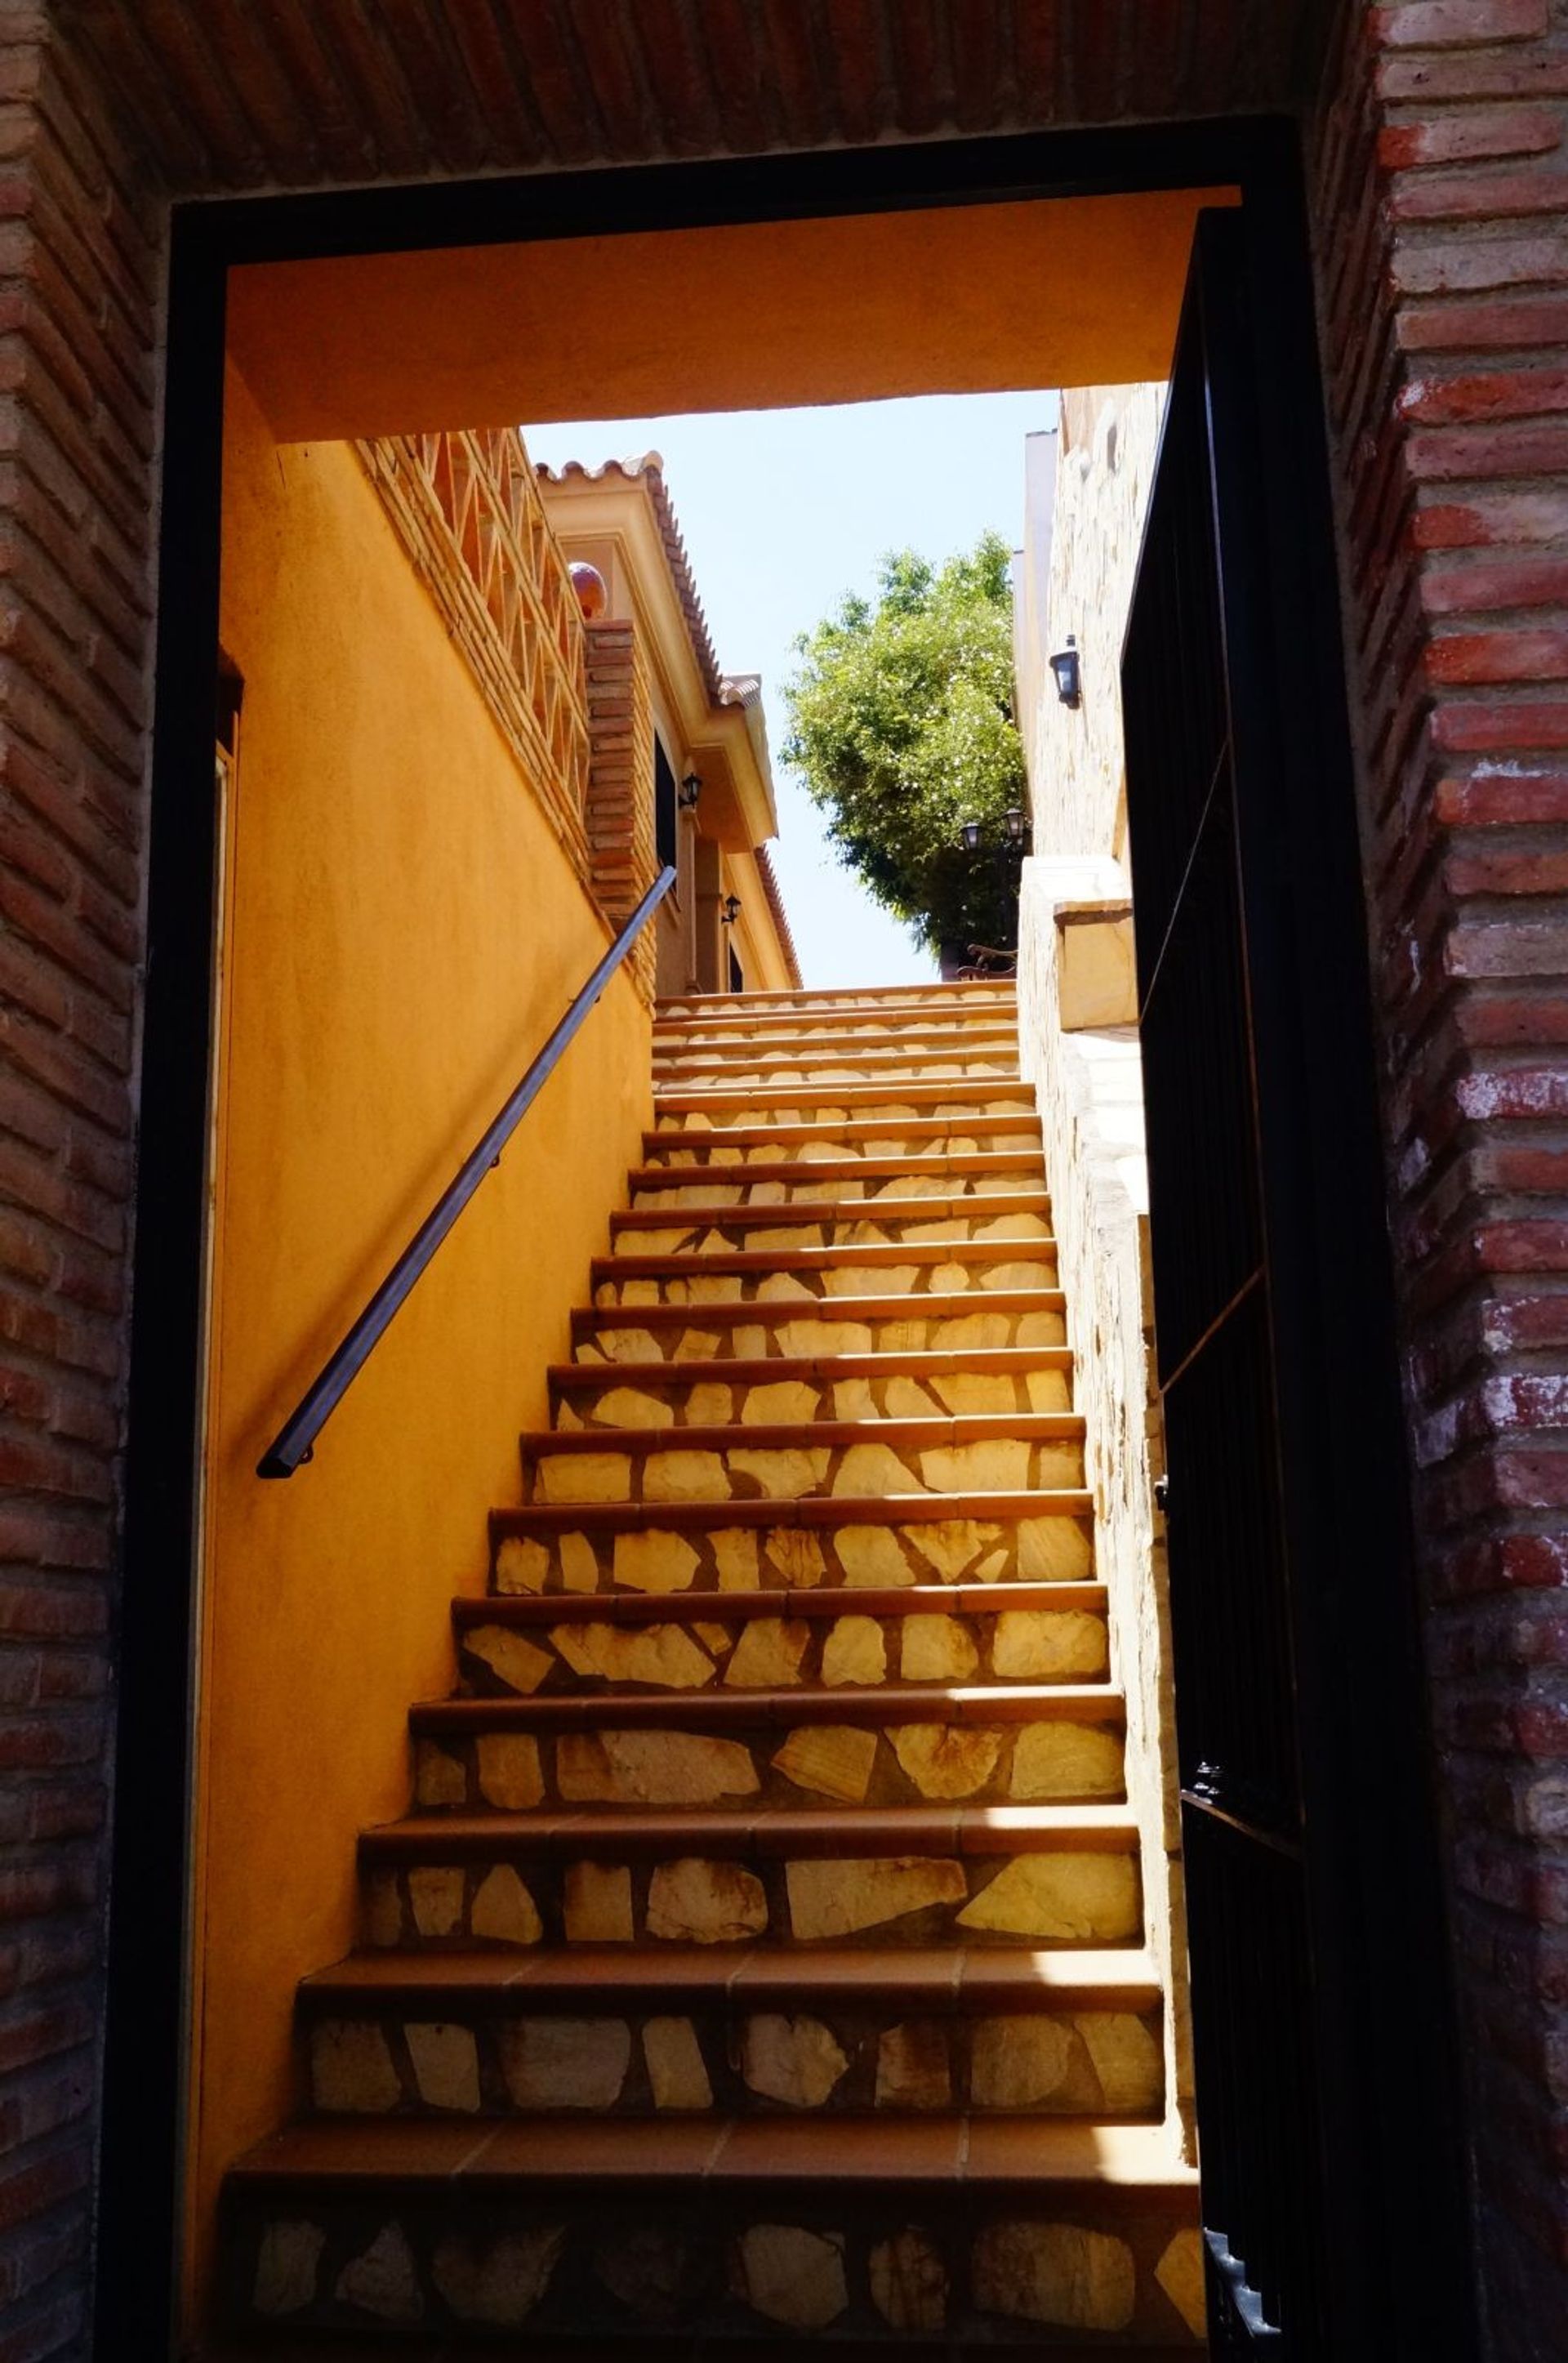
(295, 1440)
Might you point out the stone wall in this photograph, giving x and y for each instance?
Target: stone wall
(1089, 1088)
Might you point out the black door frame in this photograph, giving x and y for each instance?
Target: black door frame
(144, 2069)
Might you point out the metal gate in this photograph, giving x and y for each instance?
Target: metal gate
(1332, 2191)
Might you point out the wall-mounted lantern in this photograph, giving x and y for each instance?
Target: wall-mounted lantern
(970, 834)
(1015, 826)
(1065, 668)
(731, 910)
(690, 789)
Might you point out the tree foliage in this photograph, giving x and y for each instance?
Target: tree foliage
(900, 725)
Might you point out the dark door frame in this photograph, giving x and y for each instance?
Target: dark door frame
(144, 2071)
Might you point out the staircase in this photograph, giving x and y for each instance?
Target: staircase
(762, 1958)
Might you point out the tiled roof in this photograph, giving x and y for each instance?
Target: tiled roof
(650, 470)
(774, 899)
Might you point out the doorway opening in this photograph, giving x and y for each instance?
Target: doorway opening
(1073, 287)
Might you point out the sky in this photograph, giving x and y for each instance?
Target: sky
(782, 512)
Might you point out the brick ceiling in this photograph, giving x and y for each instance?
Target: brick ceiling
(247, 94)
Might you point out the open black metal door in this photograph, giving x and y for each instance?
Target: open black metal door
(1332, 2188)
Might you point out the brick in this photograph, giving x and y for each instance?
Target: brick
(1460, 326)
(1456, 265)
(1464, 138)
(1440, 23)
(1499, 656)
(1497, 393)
(1491, 584)
(1446, 453)
(1477, 197)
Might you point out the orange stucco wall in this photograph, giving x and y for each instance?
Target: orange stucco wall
(402, 932)
(1061, 291)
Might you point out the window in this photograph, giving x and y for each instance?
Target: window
(664, 805)
(737, 974)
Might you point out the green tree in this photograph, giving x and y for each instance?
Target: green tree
(900, 725)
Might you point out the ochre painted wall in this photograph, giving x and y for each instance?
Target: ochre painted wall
(401, 932)
(1069, 291)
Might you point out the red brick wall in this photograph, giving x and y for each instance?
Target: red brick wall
(618, 813)
(77, 294)
(1442, 203)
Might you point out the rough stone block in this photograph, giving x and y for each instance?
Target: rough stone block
(351, 2069)
(655, 1561)
(445, 2066)
(936, 1649)
(522, 1565)
(1180, 2274)
(793, 1553)
(870, 1556)
(663, 1656)
(909, 2281)
(797, 2061)
(1083, 1898)
(943, 1760)
(383, 2280)
(830, 1759)
(436, 1897)
(1065, 1759)
(855, 1652)
(838, 1899)
(497, 2282)
(286, 2267)
(793, 2276)
(683, 1476)
(565, 2063)
(1048, 1645)
(509, 1773)
(503, 1909)
(677, 2073)
(583, 1477)
(596, 1903)
(912, 2068)
(513, 1660)
(652, 1768)
(697, 1903)
(769, 1654)
(1062, 2274)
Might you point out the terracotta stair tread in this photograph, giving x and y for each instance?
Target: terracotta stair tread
(776, 1309)
(668, 2345)
(882, 1061)
(951, 1092)
(977, 1361)
(802, 1510)
(919, 1163)
(954, 1427)
(1012, 1124)
(809, 1001)
(821, 2153)
(822, 1601)
(768, 1832)
(874, 1253)
(960, 1978)
(716, 1213)
(950, 1704)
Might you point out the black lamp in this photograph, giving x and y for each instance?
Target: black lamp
(1065, 666)
(731, 911)
(690, 789)
(1014, 820)
(970, 834)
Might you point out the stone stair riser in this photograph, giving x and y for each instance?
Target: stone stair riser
(643, 1397)
(732, 1230)
(672, 1190)
(529, 1893)
(708, 1555)
(825, 1105)
(945, 1271)
(707, 1651)
(698, 1148)
(601, 2268)
(792, 1472)
(892, 1070)
(1005, 1319)
(651, 2056)
(809, 1763)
